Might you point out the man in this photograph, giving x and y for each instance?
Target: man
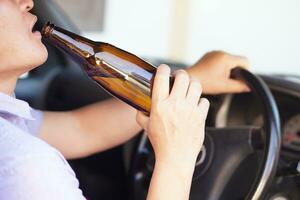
(34, 144)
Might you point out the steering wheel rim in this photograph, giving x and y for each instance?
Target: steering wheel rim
(272, 141)
(271, 129)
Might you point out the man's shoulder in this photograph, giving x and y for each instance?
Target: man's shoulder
(17, 146)
(40, 175)
(32, 169)
(18, 140)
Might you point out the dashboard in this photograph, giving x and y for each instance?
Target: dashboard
(245, 109)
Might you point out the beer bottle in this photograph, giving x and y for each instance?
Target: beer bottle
(119, 72)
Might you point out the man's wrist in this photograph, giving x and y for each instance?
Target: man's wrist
(186, 163)
(171, 179)
(181, 172)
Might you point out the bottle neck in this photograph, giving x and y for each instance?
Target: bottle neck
(69, 42)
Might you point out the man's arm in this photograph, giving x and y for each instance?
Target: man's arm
(107, 124)
(171, 180)
(90, 129)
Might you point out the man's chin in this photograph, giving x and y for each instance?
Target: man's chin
(42, 56)
(38, 61)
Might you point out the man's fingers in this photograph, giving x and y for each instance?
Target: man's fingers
(161, 83)
(181, 84)
(142, 119)
(194, 91)
(240, 61)
(204, 107)
(233, 86)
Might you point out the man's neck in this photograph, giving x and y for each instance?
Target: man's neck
(8, 84)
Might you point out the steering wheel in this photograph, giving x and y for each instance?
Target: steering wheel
(223, 152)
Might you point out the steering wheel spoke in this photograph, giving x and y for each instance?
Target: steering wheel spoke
(230, 147)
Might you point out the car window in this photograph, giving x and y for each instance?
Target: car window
(87, 15)
(267, 32)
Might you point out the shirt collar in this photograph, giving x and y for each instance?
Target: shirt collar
(13, 106)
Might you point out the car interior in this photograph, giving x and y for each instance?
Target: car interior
(252, 144)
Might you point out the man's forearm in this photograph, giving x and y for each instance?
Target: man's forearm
(171, 181)
(111, 121)
(90, 129)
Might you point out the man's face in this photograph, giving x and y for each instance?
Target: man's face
(20, 48)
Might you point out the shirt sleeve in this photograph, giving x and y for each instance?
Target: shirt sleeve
(35, 124)
(40, 177)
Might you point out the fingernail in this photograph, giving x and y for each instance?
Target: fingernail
(247, 89)
(164, 67)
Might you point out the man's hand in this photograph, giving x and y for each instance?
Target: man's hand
(176, 131)
(176, 123)
(213, 70)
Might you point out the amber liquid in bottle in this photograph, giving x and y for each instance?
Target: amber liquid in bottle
(119, 72)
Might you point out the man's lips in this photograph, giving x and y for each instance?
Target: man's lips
(33, 23)
(37, 34)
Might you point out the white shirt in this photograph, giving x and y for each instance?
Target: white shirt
(30, 169)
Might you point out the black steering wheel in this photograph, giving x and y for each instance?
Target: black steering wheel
(223, 152)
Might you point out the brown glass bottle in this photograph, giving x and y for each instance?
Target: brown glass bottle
(119, 72)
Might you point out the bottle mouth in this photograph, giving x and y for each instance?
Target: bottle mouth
(47, 29)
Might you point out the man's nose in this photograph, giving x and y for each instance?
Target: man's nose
(26, 5)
